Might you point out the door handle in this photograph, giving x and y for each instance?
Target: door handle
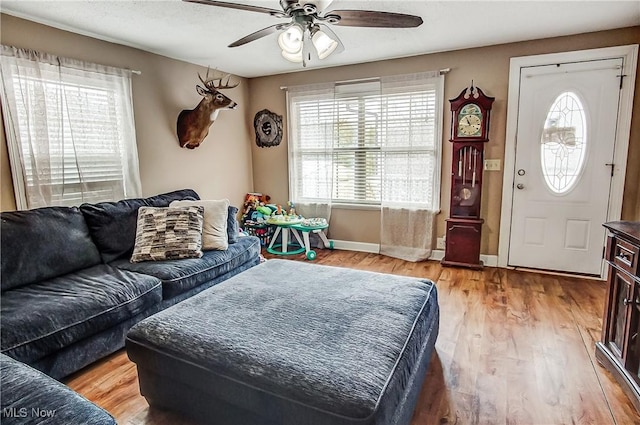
(520, 186)
(612, 165)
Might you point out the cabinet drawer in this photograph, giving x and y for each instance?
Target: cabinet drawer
(625, 256)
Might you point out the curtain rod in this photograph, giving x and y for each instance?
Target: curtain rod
(364, 80)
(135, 71)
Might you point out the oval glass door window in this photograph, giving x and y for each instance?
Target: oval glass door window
(563, 143)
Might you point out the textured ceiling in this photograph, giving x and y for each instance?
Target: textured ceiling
(200, 34)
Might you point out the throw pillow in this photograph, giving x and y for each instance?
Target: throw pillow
(214, 231)
(232, 224)
(168, 233)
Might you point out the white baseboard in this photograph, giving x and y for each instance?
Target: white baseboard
(374, 248)
(488, 260)
(437, 255)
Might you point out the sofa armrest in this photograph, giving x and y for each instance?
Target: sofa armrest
(31, 397)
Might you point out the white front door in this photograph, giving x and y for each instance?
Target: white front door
(565, 138)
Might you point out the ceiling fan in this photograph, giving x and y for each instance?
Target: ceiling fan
(309, 26)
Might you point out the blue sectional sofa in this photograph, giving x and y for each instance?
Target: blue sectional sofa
(31, 397)
(69, 292)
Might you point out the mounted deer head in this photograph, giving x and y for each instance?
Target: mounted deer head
(193, 124)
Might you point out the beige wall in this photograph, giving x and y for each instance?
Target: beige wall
(219, 168)
(229, 164)
(7, 200)
(489, 68)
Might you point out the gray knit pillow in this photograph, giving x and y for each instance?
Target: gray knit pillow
(168, 233)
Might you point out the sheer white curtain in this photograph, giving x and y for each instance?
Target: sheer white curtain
(70, 129)
(311, 132)
(411, 155)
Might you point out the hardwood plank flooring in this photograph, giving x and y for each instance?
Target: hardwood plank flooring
(514, 347)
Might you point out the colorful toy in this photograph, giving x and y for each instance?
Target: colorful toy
(292, 208)
(255, 212)
(315, 222)
(264, 210)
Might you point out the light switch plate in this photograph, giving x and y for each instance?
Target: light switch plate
(492, 165)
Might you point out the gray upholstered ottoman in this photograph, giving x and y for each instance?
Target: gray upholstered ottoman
(292, 343)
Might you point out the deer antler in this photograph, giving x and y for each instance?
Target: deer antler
(216, 83)
(226, 85)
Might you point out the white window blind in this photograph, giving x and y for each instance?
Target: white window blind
(311, 118)
(70, 130)
(368, 142)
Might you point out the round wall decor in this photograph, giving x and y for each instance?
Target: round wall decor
(268, 127)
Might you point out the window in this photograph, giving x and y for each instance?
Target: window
(367, 143)
(563, 143)
(70, 130)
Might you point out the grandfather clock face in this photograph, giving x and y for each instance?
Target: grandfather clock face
(469, 121)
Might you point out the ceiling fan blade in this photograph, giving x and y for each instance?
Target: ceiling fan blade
(258, 34)
(322, 5)
(372, 18)
(273, 12)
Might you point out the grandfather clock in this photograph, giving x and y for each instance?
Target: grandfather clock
(470, 113)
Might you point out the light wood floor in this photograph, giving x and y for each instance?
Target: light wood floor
(514, 348)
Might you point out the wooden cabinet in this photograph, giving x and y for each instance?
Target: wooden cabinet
(463, 242)
(619, 348)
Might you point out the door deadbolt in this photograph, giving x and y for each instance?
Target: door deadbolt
(520, 186)
(521, 172)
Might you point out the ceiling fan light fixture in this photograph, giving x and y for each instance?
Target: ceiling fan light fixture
(324, 44)
(290, 41)
(306, 21)
(293, 57)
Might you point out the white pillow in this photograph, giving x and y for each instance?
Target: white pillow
(214, 230)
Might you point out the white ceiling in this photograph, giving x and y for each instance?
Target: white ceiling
(200, 34)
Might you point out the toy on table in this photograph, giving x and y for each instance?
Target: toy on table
(284, 220)
(292, 208)
(282, 217)
(315, 222)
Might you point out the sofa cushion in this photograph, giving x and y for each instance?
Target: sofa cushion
(44, 243)
(178, 276)
(31, 397)
(44, 317)
(216, 217)
(170, 233)
(113, 224)
(164, 199)
(233, 230)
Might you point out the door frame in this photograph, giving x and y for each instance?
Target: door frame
(629, 54)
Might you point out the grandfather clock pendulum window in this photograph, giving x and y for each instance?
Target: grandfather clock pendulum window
(470, 113)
